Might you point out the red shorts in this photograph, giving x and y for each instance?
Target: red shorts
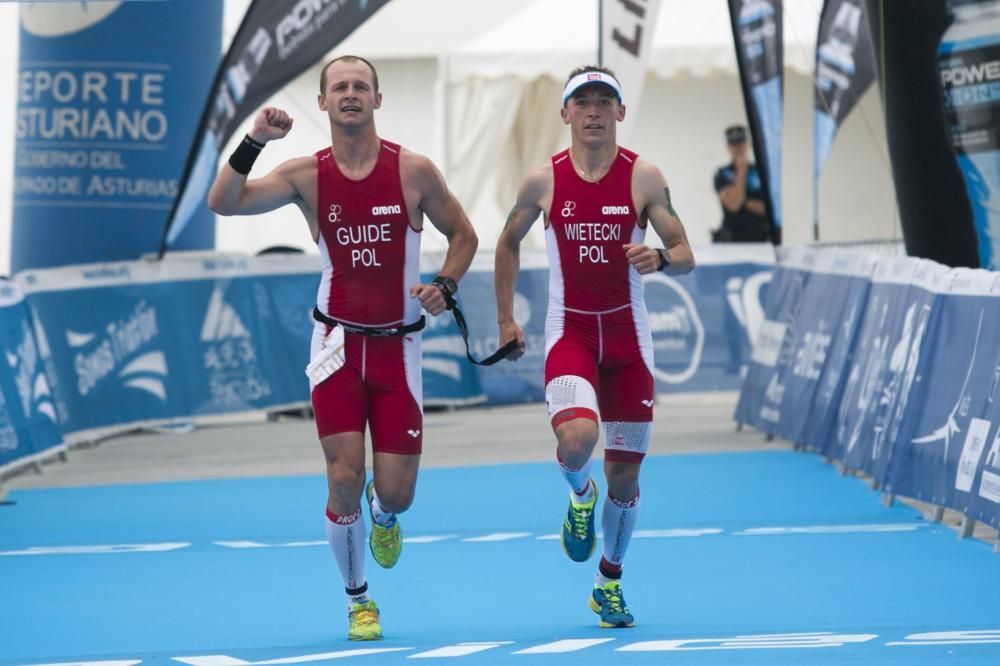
(379, 386)
(612, 356)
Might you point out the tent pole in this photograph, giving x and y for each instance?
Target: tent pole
(600, 32)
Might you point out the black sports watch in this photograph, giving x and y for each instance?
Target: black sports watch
(664, 259)
(445, 284)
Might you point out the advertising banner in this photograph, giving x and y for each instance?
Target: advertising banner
(104, 117)
(763, 393)
(881, 379)
(757, 33)
(948, 448)
(626, 41)
(845, 69)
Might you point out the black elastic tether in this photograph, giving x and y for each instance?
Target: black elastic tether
(463, 328)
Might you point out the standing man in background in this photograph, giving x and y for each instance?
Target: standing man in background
(738, 185)
(364, 199)
(597, 200)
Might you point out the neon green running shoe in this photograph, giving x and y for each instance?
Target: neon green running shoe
(578, 536)
(362, 622)
(386, 542)
(608, 602)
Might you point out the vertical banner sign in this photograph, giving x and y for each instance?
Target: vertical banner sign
(627, 29)
(969, 59)
(845, 68)
(104, 117)
(757, 31)
(278, 40)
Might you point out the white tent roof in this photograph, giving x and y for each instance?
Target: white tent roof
(693, 37)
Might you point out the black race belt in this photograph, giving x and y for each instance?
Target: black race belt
(370, 331)
(418, 325)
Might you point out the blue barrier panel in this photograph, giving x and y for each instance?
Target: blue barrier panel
(763, 387)
(448, 377)
(882, 373)
(948, 449)
(834, 305)
(142, 342)
(28, 411)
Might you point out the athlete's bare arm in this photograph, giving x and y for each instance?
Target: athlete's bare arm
(652, 199)
(435, 200)
(292, 181)
(532, 199)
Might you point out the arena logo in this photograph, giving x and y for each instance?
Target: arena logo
(676, 327)
(115, 352)
(43, 19)
(386, 210)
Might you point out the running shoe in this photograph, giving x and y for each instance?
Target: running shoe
(362, 621)
(386, 542)
(578, 536)
(608, 602)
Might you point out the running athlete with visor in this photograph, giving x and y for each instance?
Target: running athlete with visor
(364, 199)
(597, 199)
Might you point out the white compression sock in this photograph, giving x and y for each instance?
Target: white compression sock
(618, 519)
(346, 536)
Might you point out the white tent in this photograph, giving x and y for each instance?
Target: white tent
(475, 87)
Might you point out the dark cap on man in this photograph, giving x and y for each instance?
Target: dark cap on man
(736, 134)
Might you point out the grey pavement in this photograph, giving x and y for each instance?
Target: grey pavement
(249, 445)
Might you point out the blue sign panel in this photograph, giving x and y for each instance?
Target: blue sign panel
(104, 121)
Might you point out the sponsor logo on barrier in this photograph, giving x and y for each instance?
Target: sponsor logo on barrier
(121, 341)
(65, 18)
(677, 331)
(745, 301)
(8, 434)
(229, 356)
(950, 426)
(32, 386)
(972, 451)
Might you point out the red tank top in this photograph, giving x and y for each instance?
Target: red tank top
(587, 225)
(370, 253)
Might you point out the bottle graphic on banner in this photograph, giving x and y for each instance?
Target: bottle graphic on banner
(969, 60)
(758, 30)
(834, 71)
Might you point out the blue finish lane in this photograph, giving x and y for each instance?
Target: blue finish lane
(746, 558)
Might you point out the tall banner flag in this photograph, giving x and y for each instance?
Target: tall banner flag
(757, 32)
(277, 40)
(969, 61)
(845, 68)
(626, 41)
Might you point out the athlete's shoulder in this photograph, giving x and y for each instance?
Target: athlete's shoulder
(647, 172)
(537, 182)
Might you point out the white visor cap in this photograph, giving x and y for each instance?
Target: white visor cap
(588, 78)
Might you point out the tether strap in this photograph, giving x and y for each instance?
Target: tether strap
(370, 331)
(463, 328)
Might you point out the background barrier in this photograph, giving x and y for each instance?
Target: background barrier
(28, 411)
(135, 344)
(890, 365)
